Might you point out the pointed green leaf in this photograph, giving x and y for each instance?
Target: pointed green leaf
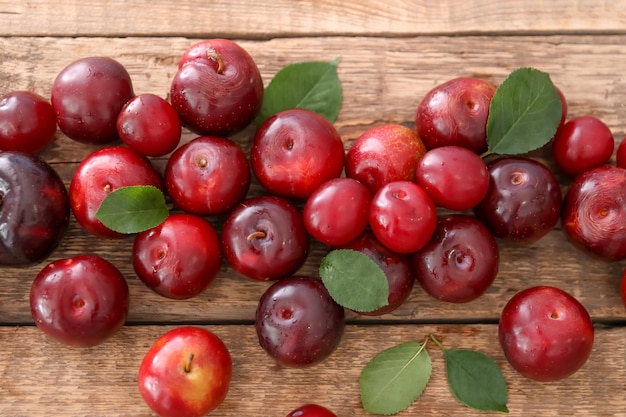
(476, 380)
(524, 114)
(310, 85)
(395, 378)
(354, 280)
(133, 209)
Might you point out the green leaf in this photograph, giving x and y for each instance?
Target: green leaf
(133, 209)
(310, 85)
(395, 378)
(476, 380)
(354, 280)
(524, 114)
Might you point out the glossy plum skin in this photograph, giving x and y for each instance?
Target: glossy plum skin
(460, 262)
(27, 122)
(623, 288)
(338, 211)
(88, 95)
(455, 113)
(523, 202)
(396, 266)
(311, 410)
(620, 154)
(564, 107)
(402, 216)
(298, 323)
(149, 125)
(545, 333)
(581, 144)
(218, 89)
(383, 154)
(101, 172)
(34, 209)
(453, 177)
(80, 301)
(295, 151)
(186, 373)
(264, 238)
(179, 258)
(208, 175)
(594, 214)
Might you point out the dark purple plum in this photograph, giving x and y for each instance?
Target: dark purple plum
(455, 113)
(87, 97)
(460, 262)
(264, 238)
(297, 321)
(34, 209)
(80, 301)
(523, 202)
(218, 89)
(594, 213)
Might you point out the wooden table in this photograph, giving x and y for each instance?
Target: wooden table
(392, 53)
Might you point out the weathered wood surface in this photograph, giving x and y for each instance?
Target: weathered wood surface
(383, 81)
(392, 54)
(46, 379)
(254, 19)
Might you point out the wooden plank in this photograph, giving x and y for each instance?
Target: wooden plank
(284, 18)
(551, 261)
(392, 53)
(383, 81)
(42, 377)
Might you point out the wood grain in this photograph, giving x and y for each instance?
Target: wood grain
(392, 53)
(383, 81)
(551, 261)
(102, 381)
(285, 18)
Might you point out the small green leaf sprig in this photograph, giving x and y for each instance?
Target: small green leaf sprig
(133, 209)
(310, 85)
(475, 379)
(524, 113)
(396, 377)
(354, 281)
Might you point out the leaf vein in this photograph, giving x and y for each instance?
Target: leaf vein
(397, 375)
